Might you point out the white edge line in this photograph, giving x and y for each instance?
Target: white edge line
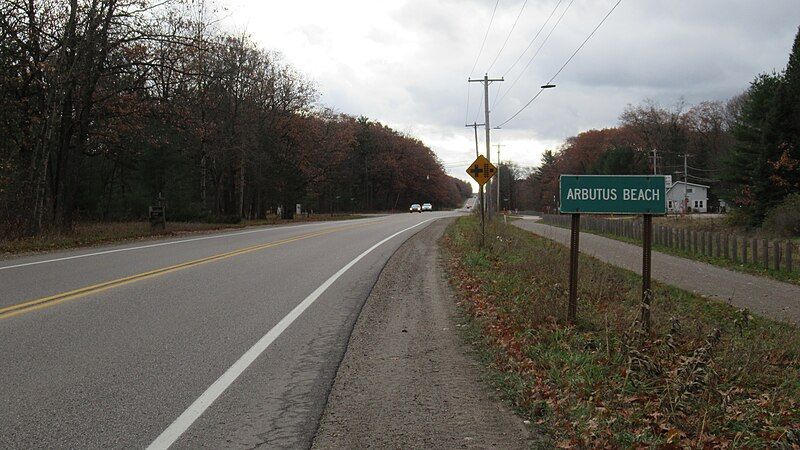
(199, 406)
(160, 244)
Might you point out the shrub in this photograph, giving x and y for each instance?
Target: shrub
(784, 219)
(738, 217)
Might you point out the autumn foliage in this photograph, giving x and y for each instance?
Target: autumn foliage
(107, 103)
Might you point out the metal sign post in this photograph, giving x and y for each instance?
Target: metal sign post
(647, 247)
(481, 170)
(574, 238)
(483, 220)
(612, 194)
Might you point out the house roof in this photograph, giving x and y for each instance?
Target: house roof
(688, 184)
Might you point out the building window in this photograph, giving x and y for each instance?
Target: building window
(689, 190)
(701, 203)
(670, 204)
(696, 204)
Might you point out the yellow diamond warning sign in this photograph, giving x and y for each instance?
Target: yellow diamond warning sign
(481, 170)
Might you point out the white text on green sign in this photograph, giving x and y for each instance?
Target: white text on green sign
(613, 194)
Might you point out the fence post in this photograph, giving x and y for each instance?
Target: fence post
(717, 242)
(777, 249)
(789, 246)
(735, 248)
(725, 250)
(765, 244)
(744, 250)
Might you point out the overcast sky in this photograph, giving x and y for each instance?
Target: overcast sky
(406, 62)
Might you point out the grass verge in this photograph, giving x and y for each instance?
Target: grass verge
(707, 375)
(751, 268)
(95, 233)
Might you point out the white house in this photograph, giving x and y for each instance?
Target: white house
(687, 198)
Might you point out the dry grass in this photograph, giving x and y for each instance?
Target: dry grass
(95, 233)
(707, 375)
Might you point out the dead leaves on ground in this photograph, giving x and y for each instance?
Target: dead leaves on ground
(685, 387)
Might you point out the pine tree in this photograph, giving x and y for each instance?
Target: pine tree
(765, 162)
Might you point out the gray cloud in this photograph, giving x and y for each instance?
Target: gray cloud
(405, 63)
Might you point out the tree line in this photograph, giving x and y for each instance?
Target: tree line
(107, 103)
(747, 149)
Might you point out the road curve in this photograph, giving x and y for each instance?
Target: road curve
(225, 340)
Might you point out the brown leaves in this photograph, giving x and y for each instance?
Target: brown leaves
(685, 385)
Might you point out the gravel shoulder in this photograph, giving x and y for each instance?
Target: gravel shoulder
(407, 379)
(770, 298)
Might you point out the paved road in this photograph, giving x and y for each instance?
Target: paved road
(770, 298)
(221, 340)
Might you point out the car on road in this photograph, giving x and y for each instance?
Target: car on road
(415, 208)
(427, 207)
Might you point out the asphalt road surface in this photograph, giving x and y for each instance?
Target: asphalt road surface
(770, 298)
(222, 340)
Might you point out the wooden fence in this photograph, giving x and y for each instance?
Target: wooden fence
(780, 255)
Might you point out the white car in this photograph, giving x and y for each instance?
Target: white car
(415, 208)
(427, 207)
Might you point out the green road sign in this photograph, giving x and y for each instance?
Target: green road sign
(613, 194)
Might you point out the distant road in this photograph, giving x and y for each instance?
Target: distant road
(770, 298)
(223, 340)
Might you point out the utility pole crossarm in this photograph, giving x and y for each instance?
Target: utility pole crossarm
(485, 79)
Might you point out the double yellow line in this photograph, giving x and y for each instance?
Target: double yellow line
(46, 302)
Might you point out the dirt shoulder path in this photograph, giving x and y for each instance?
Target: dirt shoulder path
(770, 298)
(407, 380)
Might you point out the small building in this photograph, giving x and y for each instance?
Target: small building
(685, 197)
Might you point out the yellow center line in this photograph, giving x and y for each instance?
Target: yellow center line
(45, 302)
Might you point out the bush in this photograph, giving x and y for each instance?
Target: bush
(738, 217)
(784, 219)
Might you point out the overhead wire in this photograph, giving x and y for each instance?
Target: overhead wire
(701, 170)
(563, 65)
(477, 58)
(538, 50)
(533, 39)
(508, 36)
(478, 111)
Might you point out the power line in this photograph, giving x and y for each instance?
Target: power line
(565, 63)
(539, 49)
(508, 36)
(701, 170)
(471, 72)
(534, 38)
(478, 111)
(708, 180)
(477, 58)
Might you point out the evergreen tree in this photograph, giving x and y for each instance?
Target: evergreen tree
(765, 161)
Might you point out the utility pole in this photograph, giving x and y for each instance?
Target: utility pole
(486, 81)
(475, 125)
(685, 184)
(655, 162)
(499, 172)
